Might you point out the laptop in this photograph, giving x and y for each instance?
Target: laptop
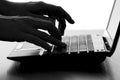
(79, 45)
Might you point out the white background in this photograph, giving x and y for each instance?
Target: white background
(88, 14)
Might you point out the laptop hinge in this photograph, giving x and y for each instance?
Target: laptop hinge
(107, 45)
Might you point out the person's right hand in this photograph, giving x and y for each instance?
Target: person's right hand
(27, 30)
(39, 10)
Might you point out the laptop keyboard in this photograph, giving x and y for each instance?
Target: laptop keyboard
(81, 43)
(75, 44)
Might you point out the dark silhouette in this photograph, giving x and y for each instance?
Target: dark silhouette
(31, 18)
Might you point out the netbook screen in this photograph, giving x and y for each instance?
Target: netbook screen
(114, 19)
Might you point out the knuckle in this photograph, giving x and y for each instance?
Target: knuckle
(60, 8)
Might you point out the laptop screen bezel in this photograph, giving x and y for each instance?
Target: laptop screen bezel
(116, 38)
(110, 19)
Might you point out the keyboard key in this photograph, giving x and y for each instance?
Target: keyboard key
(66, 40)
(98, 43)
(82, 43)
(74, 44)
(90, 43)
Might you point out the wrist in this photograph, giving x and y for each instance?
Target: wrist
(10, 8)
(33, 6)
(5, 8)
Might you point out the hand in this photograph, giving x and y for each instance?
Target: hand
(27, 30)
(54, 12)
(38, 9)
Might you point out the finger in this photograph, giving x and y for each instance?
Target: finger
(50, 27)
(61, 20)
(35, 40)
(44, 36)
(52, 17)
(39, 17)
(66, 15)
(62, 25)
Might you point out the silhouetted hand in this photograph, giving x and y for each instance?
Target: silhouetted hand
(38, 9)
(25, 29)
(55, 12)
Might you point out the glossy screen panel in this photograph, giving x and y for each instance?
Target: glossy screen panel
(114, 19)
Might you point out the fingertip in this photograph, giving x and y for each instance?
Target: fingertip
(62, 33)
(72, 21)
(63, 44)
(49, 48)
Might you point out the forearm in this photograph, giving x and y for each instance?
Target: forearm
(5, 7)
(9, 8)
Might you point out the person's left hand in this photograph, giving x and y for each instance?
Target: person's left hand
(26, 29)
